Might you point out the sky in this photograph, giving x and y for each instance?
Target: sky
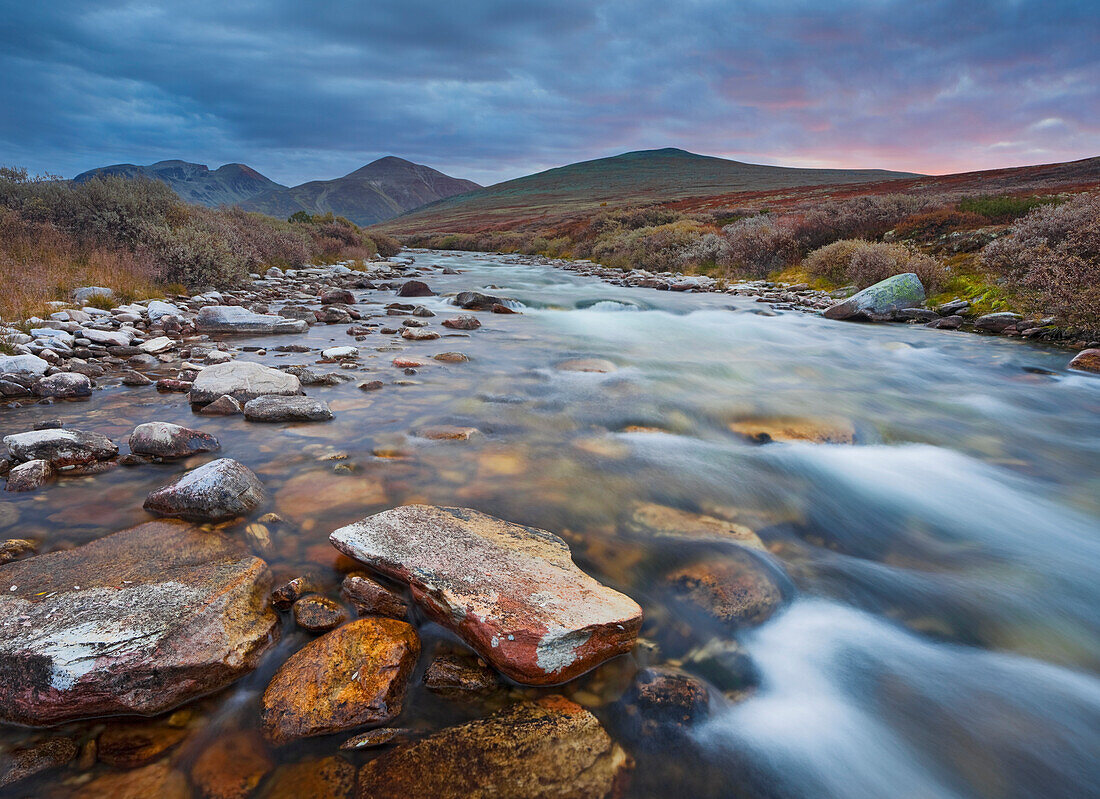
(494, 89)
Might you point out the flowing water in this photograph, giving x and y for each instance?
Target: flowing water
(940, 637)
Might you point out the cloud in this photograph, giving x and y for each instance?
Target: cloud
(490, 89)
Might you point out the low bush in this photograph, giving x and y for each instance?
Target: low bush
(759, 245)
(1002, 209)
(930, 224)
(865, 263)
(386, 246)
(1052, 256)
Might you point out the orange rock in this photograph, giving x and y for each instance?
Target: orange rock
(667, 522)
(735, 589)
(793, 428)
(231, 766)
(129, 744)
(310, 493)
(157, 779)
(447, 432)
(548, 749)
(354, 675)
(317, 778)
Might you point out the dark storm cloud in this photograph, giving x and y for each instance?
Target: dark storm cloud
(490, 89)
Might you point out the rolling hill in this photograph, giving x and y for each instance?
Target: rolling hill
(631, 178)
(195, 183)
(378, 191)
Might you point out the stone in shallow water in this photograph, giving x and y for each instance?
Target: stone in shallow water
(137, 622)
(167, 440)
(465, 322)
(532, 750)
(224, 405)
(61, 447)
(735, 589)
(242, 380)
(30, 476)
(666, 522)
(1086, 361)
(64, 385)
(319, 614)
(23, 365)
(354, 675)
(586, 365)
(418, 334)
(218, 490)
(415, 288)
(316, 778)
(511, 592)
(129, 744)
(374, 738)
(287, 409)
(371, 598)
(231, 766)
(157, 779)
(24, 762)
(460, 678)
(764, 429)
(235, 319)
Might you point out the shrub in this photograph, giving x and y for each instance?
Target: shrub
(865, 217)
(831, 262)
(387, 246)
(938, 222)
(1003, 208)
(865, 263)
(1053, 257)
(759, 245)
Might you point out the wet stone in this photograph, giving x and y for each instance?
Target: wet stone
(61, 447)
(372, 739)
(287, 409)
(371, 598)
(64, 385)
(136, 622)
(283, 597)
(242, 380)
(354, 675)
(1086, 361)
(511, 592)
(371, 385)
(765, 429)
(30, 476)
(451, 357)
(218, 490)
(662, 703)
(600, 365)
(232, 766)
(415, 288)
(156, 779)
(316, 778)
(319, 614)
(460, 678)
(735, 589)
(132, 378)
(27, 761)
(133, 744)
(15, 548)
(167, 440)
(224, 405)
(462, 323)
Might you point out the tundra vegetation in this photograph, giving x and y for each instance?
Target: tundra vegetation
(1037, 254)
(138, 238)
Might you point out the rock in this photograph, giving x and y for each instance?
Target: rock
(918, 314)
(953, 307)
(371, 598)
(996, 322)
(880, 300)
(222, 406)
(354, 675)
(447, 432)
(421, 311)
(108, 338)
(286, 409)
(15, 548)
(735, 590)
(283, 597)
(666, 522)
(319, 614)
(273, 273)
(64, 385)
(24, 762)
(235, 319)
(451, 357)
(662, 703)
(129, 744)
(460, 678)
(946, 323)
(462, 323)
(23, 365)
(409, 362)
(475, 300)
(84, 294)
(1086, 361)
(375, 738)
(221, 489)
(316, 778)
(415, 288)
(532, 750)
(168, 385)
(586, 365)
(167, 440)
(764, 429)
(30, 476)
(511, 592)
(371, 385)
(136, 622)
(242, 380)
(216, 356)
(232, 766)
(61, 447)
(418, 334)
(501, 308)
(157, 779)
(338, 296)
(132, 378)
(157, 345)
(337, 353)
(158, 309)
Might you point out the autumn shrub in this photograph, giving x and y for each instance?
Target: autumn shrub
(1004, 208)
(759, 245)
(938, 222)
(655, 248)
(865, 217)
(386, 246)
(1052, 256)
(831, 262)
(875, 261)
(707, 251)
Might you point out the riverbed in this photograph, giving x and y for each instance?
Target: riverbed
(940, 635)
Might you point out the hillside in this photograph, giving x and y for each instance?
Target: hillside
(378, 191)
(633, 178)
(195, 183)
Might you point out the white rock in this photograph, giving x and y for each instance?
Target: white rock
(156, 345)
(334, 353)
(108, 338)
(23, 365)
(242, 380)
(158, 309)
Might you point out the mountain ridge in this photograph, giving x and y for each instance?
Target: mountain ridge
(229, 184)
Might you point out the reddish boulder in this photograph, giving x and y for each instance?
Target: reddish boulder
(1086, 361)
(511, 592)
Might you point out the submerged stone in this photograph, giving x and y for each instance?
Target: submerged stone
(218, 490)
(532, 750)
(511, 592)
(137, 622)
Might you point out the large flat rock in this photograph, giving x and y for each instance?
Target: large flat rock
(512, 592)
(60, 446)
(548, 749)
(243, 381)
(235, 319)
(137, 622)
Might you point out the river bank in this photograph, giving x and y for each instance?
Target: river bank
(910, 521)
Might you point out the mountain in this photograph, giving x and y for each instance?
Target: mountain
(195, 183)
(378, 191)
(631, 178)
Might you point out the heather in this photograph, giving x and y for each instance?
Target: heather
(136, 236)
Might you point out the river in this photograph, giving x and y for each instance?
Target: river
(941, 636)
